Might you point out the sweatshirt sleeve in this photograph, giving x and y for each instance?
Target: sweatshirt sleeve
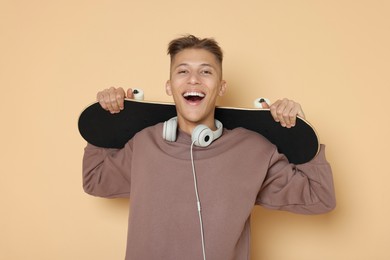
(106, 172)
(305, 189)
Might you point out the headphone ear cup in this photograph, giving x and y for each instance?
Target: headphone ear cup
(202, 136)
(170, 129)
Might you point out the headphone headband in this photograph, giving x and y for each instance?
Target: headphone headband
(201, 135)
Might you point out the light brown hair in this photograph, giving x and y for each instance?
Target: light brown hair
(193, 42)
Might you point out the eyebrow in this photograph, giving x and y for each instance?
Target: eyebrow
(201, 65)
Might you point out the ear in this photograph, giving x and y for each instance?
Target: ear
(168, 89)
(222, 89)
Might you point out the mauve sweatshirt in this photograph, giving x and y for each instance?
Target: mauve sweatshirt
(239, 170)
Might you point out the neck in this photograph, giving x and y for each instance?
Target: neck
(188, 126)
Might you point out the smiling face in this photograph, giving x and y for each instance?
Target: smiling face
(195, 84)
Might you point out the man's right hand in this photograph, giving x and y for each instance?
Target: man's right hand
(112, 99)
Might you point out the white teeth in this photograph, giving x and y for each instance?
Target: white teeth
(197, 94)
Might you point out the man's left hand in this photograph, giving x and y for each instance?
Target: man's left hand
(286, 111)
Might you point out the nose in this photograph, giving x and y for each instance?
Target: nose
(193, 79)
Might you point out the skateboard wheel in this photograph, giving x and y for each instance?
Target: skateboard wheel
(138, 94)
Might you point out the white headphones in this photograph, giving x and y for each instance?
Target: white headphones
(202, 135)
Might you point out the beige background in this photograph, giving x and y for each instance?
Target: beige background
(331, 56)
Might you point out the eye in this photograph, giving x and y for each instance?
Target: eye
(182, 71)
(207, 72)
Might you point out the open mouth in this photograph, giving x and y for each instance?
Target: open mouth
(193, 96)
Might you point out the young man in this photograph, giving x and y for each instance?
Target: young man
(175, 214)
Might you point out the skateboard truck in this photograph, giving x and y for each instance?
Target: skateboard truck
(258, 102)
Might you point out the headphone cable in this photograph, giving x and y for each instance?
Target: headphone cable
(198, 201)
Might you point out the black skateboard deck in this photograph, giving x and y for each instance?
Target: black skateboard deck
(101, 128)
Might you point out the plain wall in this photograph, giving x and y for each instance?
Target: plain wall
(333, 57)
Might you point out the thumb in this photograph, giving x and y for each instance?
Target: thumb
(129, 93)
(262, 103)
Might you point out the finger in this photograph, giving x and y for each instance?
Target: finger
(295, 111)
(100, 98)
(277, 109)
(273, 109)
(290, 113)
(107, 99)
(293, 119)
(264, 104)
(130, 93)
(120, 98)
(281, 110)
(116, 99)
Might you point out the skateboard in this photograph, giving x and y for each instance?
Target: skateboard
(101, 128)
